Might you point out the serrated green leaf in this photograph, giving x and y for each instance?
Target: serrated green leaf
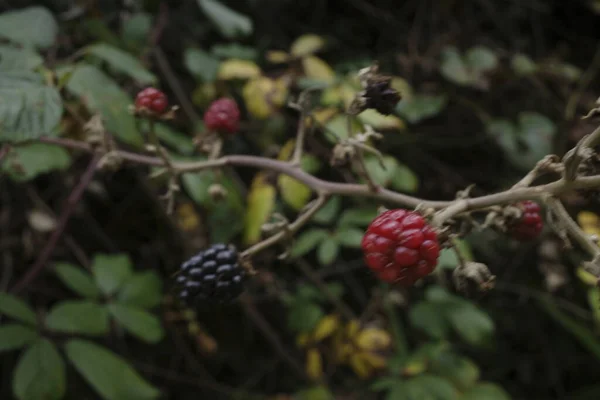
(122, 62)
(404, 179)
(307, 241)
(138, 322)
(486, 391)
(136, 30)
(30, 26)
(16, 308)
(329, 211)
(175, 140)
(18, 59)
(40, 373)
(84, 317)
(349, 237)
(358, 216)
(111, 271)
(304, 316)
(261, 202)
(109, 374)
(380, 175)
(201, 64)
(422, 106)
(461, 371)
(472, 324)
(26, 162)
(15, 336)
(231, 23)
(328, 251)
(143, 289)
(426, 317)
(78, 280)
(103, 95)
(28, 108)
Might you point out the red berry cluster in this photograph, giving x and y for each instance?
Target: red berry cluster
(530, 225)
(152, 100)
(400, 247)
(223, 115)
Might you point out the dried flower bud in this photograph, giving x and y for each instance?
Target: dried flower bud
(377, 93)
(217, 191)
(473, 272)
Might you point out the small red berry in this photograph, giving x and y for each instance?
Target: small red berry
(400, 247)
(530, 224)
(152, 99)
(223, 115)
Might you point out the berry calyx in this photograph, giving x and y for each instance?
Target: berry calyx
(223, 116)
(400, 247)
(151, 99)
(530, 224)
(212, 275)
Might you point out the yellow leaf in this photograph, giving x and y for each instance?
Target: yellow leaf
(316, 68)
(403, 87)
(323, 115)
(414, 367)
(326, 327)
(277, 56)
(360, 366)
(187, 217)
(586, 277)
(302, 339)
(307, 44)
(263, 95)
(352, 328)
(373, 339)
(376, 361)
(286, 151)
(204, 94)
(295, 193)
(380, 121)
(589, 222)
(314, 364)
(261, 201)
(238, 69)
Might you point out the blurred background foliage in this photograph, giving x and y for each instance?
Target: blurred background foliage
(488, 88)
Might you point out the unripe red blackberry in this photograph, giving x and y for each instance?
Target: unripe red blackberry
(530, 224)
(212, 275)
(400, 247)
(223, 115)
(152, 100)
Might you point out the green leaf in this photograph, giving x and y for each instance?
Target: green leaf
(30, 26)
(404, 179)
(381, 176)
(358, 216)
(15, 336)
(28, 108)
(26, 162)
(423, 387)
(454, 68)
(481, 59)
(328, 251)
(77, 279)
(84, 317)
(462, 372)
(201, 64)
(176, 140)
(486, 391)
(349, 237)
(448, 258)
(468, 70)
(142, 290)
(17, 59)
(261, 202)
(304, 316)
(329, 211)
(422, 106)
(314, 393)
(472, 324)
(40, 373)
(523, 65)
(307, 241)
(235, 50)
(426, 316)
(122, 62)
(103, 95)
(16, 308)
(109, 374)
(231, 23)
(136, 30)
(138, 322)
(111, 271)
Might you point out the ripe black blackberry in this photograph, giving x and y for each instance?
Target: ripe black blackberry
(212, 275)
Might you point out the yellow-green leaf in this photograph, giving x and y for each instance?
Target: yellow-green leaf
(380, 121)
(277, 56)
(307, 44)
(589, 222)
(373, 339)
(314, 364)
(295, 193)
(263, 95)
(238, 69)
(261, 201)
(326, 327)
(586, 277)
(316, 68)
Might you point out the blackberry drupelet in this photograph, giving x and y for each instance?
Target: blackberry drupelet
(212, 275)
